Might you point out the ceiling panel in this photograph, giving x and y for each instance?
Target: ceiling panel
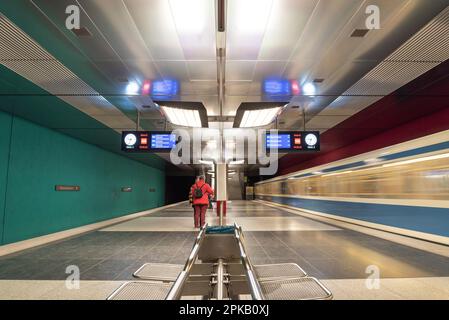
(287, 22)
(202, 70)
(246, 24)
(154, 21)
(268, 69)
(195, 25)
(173, 70)
(237, 88)
(240, 70)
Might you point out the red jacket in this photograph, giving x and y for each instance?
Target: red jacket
(207, 190)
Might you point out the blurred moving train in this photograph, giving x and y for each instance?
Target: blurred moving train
(403, 189)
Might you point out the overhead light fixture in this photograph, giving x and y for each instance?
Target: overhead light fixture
(309, 89)
(252, 16)
(189, 16)
(132, 88)
(183, 117)
(259, 118)
(231, 173)
(237, 162)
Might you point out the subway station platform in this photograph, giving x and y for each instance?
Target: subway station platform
(341, 256)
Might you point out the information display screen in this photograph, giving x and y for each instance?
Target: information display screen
(148, 141)
(293, 141)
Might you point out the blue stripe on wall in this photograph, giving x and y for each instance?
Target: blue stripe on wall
(423, 219)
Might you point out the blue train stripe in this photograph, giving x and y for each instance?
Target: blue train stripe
(423, 219)
(394, 156)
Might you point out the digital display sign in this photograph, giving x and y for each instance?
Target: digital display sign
(293, 141)
(276, 87)
(148, 141)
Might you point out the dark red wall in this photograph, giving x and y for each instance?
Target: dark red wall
(418, 109)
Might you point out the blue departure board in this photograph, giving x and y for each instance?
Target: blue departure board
(292, 141)
(280, 141)
(163, 141)
(148, 141)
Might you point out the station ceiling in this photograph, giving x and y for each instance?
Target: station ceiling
(138, 40)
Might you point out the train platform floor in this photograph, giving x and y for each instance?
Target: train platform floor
(341, 257)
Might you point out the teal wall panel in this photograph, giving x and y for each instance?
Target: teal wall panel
(5, 134)
(41, 158)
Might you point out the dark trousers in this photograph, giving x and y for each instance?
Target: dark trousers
(200, 215)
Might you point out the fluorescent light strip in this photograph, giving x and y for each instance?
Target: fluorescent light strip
(183, 117)
(237, 162)
(258, 118)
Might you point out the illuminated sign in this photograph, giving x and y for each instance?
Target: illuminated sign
(276, 87)
(160, 88)
(148, 141)
(292, 141)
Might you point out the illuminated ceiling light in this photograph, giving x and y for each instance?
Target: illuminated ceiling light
(259, 118)
(231, 173)
(237, 162)
(317, 173)
(183, 117)
(252, 16)
(190, 16)
(132, 88)
(309, 89)
(436, 157)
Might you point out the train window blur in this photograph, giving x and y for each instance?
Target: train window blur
(422, 180)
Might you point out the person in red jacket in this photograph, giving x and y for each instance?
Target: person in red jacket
(200, 194)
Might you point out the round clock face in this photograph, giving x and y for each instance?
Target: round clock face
(311, 139)
(130, 139)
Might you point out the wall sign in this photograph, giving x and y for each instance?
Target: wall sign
(67, 188)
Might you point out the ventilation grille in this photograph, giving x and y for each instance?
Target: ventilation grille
(359, 33)
(430, 44)
(21, 54)
(428, 48)
(423, 52)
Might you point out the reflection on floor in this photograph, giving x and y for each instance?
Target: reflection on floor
(340, 257)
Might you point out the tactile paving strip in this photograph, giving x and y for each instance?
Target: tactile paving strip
(159, 271)
(141, 291)
(295, 289)
(279, 271)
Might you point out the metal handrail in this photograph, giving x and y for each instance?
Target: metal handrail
(176, 289)
(256, 291)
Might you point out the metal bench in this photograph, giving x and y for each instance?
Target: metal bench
(219, 268)
(159, 272)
